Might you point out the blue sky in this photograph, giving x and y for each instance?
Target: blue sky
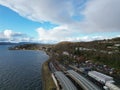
(13, 21)
(47, 21)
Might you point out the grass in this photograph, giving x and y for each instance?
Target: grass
(48, 83)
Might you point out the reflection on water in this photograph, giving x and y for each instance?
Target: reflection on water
(20, 70)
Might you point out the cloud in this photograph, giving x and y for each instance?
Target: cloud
(59, 33)
(55, 11)
(98, 16)
(91, 38)
(9, 35)
(102, 16)
(62, 33)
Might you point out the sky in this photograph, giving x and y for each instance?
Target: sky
(53, 21)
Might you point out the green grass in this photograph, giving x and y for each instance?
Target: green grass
(48, 83)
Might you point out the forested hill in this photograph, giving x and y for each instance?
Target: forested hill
(102, 51)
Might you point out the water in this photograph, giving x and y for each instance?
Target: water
(21, 69)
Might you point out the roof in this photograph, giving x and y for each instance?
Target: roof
(112, 86)
(100, 75)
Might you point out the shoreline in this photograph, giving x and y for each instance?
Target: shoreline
(46, 75)
(47, 81)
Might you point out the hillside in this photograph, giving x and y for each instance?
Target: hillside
(102, 51)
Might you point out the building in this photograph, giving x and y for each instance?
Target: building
(100, 77)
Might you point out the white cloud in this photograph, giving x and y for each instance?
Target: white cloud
(62, 33)
(55, 11)
(91, 38)
(99, 16)
(9, 35)
(102, 16)
(59, 33)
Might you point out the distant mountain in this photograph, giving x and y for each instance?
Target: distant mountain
(7, 43)
(20, 43)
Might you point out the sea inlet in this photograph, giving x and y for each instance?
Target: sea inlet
(21, 69)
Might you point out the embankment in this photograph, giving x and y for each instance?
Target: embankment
(48, 83)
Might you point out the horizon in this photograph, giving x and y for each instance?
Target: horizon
(28, 42)
(45, 21)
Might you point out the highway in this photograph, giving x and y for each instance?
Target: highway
(64, 81)
(83, 82)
